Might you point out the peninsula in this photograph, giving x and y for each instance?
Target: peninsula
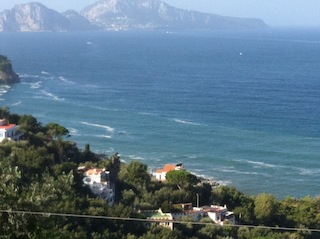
(7, 75)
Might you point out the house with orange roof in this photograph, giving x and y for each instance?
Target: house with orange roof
(97, 175)
(8, 131)
(97, 179)
(160, 174)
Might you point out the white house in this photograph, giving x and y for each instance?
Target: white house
(97, 175)
(8, 131)
(220, 214)
(160, 174)
(98, 181)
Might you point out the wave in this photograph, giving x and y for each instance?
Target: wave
(108, 128)
(4, 89)
(51, 96)
(103, 108)
(134, 157)
(187, 122)
(36, 85)
(73, 131)
(45, 73)
(24, 75)
(147, 113)
(259, 163)
(17, 103)
(104, 136)
(308, 172)
(66, 80)
(242, 172)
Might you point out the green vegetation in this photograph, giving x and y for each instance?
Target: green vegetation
(39, 174)
(5, 64)
(7, 75)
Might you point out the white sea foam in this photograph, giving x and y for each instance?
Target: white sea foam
(123, 133)
(226, 170)
(186, 122)
(17, 103)
(45, 73)
(4, 89)
(104, 136)
(51, 96)
(73, 131)
(147, 113)
(65, 80)
(23, 75)
(108, 128)
(257, 163)
(308, 172)
(103, 108)
(134, 157)
(36, 85)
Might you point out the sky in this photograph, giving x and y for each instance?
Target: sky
(273, 12)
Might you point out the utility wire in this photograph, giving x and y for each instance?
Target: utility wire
(48, 214)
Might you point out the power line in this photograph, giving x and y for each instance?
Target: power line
(48, 214)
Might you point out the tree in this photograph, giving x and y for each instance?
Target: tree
(4, 112)
(266, 208)
(225, 195)
(183, 179)
(56, 130)
(135, 173)
(29, 124)
(5, 64)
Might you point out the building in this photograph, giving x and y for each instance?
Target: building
(159, 218)
(160, 174)
(8, 131)
(99, 183)
(220, 214)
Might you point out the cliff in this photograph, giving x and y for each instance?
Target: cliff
(7, 75)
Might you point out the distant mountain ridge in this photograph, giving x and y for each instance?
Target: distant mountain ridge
(117, 15)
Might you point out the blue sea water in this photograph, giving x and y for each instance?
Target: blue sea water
(241, 108)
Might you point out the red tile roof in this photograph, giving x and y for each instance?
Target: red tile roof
(8, 126)
(95, 171)
(169, 167)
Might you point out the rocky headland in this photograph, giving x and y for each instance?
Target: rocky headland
(7, 75)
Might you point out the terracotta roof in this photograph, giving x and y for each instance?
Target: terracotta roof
(95, 171)
(8, 126)
(169, 167)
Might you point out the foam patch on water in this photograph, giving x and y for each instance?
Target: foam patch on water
(187, 122)
(108, 128)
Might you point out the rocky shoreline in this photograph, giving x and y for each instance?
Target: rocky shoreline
(208, 181)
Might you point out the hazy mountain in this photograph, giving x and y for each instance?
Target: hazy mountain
(78, 22)
(32, 17)
(117, 15)
(137, 14)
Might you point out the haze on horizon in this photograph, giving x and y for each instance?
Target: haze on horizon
(273, 12)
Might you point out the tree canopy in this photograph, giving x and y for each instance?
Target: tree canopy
(39, 174)
(183, 179)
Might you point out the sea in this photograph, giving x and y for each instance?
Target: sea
(238, 107)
